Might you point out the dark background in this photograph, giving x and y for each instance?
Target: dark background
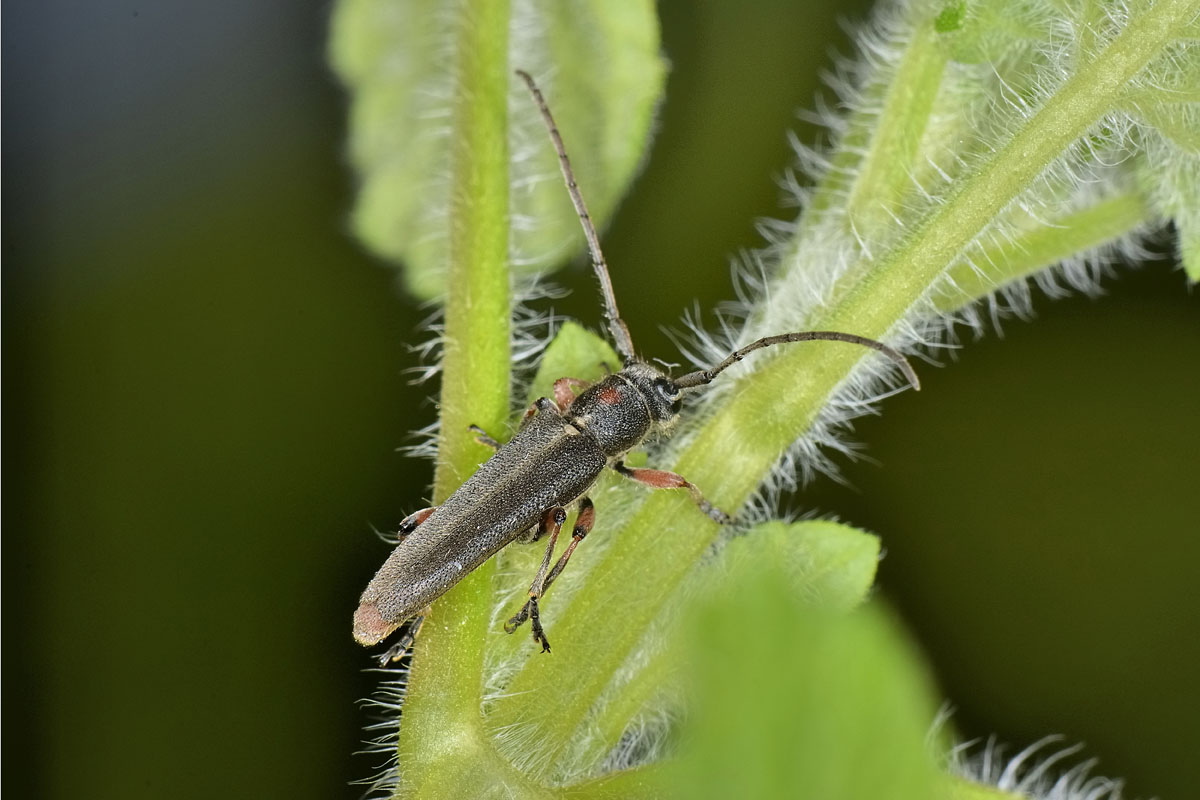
(204, 390)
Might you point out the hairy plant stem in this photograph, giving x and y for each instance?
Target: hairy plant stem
(758, 419)
(885, 170)
(643, 783)
(963, 789)
(1078, 232)
(441, 743)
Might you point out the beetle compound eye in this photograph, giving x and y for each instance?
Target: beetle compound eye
(670, 394)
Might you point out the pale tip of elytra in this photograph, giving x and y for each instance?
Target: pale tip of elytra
(369, 625)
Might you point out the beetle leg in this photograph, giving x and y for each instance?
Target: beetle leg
(564, 390)
(410, 523)
(482, 437)
(548, 522)
(583, 525)
(553, 521)
(555, 517)
(661, 479)
(397, 651)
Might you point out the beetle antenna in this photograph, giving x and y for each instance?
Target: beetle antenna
(616, 326)
(704, 376)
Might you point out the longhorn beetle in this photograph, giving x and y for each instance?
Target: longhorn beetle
(559, 450)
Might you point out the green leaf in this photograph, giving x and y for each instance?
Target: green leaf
(575, 353)
(830, 564)
(1168, 107)
(1178, 122)
(792, 700)
(1181, 184)
(599, 66)
(1170, 178)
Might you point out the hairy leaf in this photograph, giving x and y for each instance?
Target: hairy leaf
(599, 66)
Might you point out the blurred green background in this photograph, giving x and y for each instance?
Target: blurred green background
(205, 388)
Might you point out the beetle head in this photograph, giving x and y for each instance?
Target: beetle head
(662, 396)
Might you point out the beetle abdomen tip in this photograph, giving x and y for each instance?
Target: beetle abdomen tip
(369, 625)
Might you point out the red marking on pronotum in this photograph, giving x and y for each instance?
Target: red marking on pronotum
(609, 396)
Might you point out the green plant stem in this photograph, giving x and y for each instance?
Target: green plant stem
(836, 180)
(873, 162)
(441, 733)
(885, 173)
(758, 419)
(1021, 257)
(963, 789)
(641, 783)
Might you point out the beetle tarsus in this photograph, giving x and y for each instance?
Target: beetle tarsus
(535, 623)
(517, 620)
(482, 437)
(402, 645)
(410, 523)
(529, 611)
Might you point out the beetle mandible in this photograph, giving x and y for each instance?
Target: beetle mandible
(557, 453)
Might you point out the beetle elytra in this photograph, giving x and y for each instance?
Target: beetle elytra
(559, 450)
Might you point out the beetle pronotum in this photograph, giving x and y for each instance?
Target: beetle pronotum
(556, 455)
